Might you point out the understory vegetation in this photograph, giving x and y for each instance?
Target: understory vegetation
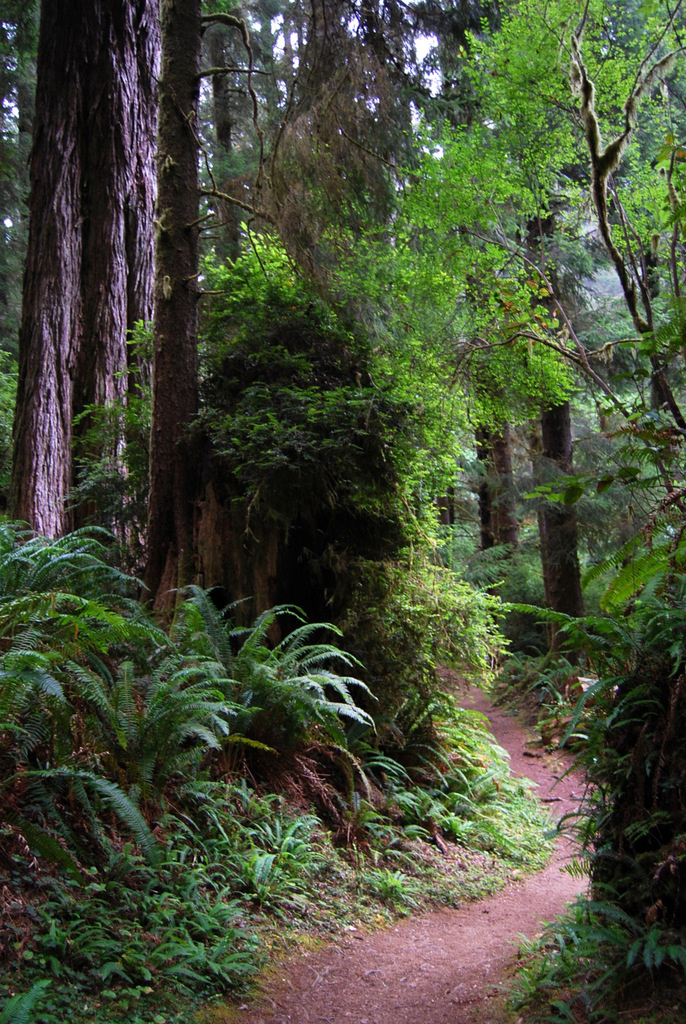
(349, 363)
(175, 802)
(621, 951)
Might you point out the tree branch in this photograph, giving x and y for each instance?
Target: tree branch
(211, 72)
(215, 193)
(606, 160)
(231, 21)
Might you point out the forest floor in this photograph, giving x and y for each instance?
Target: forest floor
(444, 967)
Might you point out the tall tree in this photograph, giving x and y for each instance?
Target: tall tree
(88, 273)
(497, 510)
(352, 77)
(558, 530)
(228, 108)
(173, 464)
(18, 40)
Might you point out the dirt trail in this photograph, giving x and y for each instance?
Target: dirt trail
(439, 968)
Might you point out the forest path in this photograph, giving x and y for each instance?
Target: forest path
(441, 967)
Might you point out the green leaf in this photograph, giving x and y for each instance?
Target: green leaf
(572, 494)
(628, 472)
(45, 845)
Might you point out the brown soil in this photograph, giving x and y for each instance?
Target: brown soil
(443, 967)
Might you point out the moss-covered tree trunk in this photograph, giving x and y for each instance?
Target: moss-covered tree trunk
(173, 463)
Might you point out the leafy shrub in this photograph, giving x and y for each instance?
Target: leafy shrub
(635, 719)
(466, 792)
(599, 964)
(290, 401)
(634, 825)
(59, 625)
(321, 449)
(123, 748)
(149, 731)
(131, 931)
(406, 619)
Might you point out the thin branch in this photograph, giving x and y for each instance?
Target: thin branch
(215, 193)
(636, 89)
(232, 21)
(199, 220)
(606, 160)
(582, 24)
(581, 349)
(282, 128)
(674, 497)
(369, 152)
(540, 339)
(672, 16)
(211, 72)
(638, 275)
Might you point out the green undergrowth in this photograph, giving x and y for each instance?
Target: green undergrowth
(545, 691)
(598, 965)
(620, 953)
(178, 806)
(249, 877)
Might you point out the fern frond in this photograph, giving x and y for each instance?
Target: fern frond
(634, 576)
(294, 641)
(200, 731)
(117, 801)
(19, 1009)
(615, 561)
(45, 846)
(245, 741)
(27, 672)
(215, 624)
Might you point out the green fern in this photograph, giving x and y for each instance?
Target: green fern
(45, 845)
(19, 1009)
(153, 729)
(647, 570)
(613, 562)
(114, 799)
(281, 695)
(56, 641)
(76, 563)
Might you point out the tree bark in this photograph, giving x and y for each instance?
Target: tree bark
(223, 115)
(173, 481)
(88, 273)
(558, 523)
(497, 509)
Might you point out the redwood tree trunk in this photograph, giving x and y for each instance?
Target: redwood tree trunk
(497, 509)
(558, 524)
(88, 273)
(173, 464)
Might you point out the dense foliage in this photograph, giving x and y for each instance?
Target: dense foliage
(135, 845)
(436, 241)
(294, 411)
